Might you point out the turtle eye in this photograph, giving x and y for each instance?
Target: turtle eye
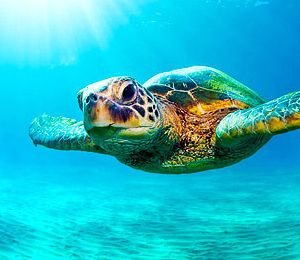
(129, 93)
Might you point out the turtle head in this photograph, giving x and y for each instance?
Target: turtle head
(119, 114)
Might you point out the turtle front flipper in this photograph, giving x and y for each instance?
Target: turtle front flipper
(271, 118)
(61, 133)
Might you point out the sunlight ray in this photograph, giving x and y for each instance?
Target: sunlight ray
(47, 31)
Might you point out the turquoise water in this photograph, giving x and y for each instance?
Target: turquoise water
(72, 205)
(126, 216)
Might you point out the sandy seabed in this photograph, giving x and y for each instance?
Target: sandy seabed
(75, 214)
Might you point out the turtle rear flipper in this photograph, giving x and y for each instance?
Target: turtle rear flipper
(271, 118)
(61, 133)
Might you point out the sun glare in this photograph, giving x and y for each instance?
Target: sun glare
(43, 30)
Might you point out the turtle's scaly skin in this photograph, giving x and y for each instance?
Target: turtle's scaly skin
(62, 134)
(274, 117)
(183, 121)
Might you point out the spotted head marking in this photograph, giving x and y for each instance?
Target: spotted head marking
(121, 106)
(118, 102)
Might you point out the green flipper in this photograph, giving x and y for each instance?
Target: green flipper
(62, 134)
(271, 118)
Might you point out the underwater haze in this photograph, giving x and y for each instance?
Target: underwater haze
(77, 205)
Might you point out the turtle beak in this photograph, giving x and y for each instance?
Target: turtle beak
(79, 99)
(100, 111)
(96, 112)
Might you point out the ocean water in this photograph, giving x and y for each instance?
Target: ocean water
(76, 205)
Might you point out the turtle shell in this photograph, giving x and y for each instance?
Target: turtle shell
(204, 86)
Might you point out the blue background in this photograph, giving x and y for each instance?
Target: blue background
(250, 208)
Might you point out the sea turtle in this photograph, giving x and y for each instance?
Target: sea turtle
(183, 121)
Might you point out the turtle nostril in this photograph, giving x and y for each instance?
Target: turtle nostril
(92, 98)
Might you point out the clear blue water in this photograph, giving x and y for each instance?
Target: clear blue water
(73, 205)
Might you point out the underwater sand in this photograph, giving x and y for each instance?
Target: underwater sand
(59, 205)
(84, 214)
